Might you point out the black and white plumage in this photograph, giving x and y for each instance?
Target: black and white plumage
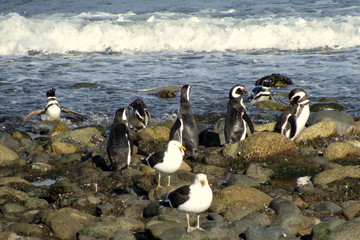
(237, 121)
(167, 161)
(139, 115)
(292, 121)
(52, 110)
(119, 146)
(185, 129)
(194, 198)
(261, 93)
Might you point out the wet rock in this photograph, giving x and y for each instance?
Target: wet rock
(341, 150)
(321, 231)
(123, 235)
(260, 146)
(242, 180)
(7, 180)
(268, 127)
(165, 94)
(39, 157)
(351, 209)
(9, 208)
(344, 122)
(253, 219)
(60, 127)
(212, 137)
(268, 233)
(87, 136)
(326, 207)
(7, 155)
(341, 172)
(35, 203)
(153, 133)
(12, 193)
(257, 172)
(63, 147)
(346, 231)
(78, 215)
(233, 214)
(107, 229)
(63, 186)
(9, 141)
(322, 129)
(208, 169)
(357, 128)
(316, 107)
(239, 195)
(289, 216)
(61, 224)
(276, 80)
(272, 105)
(25, 229)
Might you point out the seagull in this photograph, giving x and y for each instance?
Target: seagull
(194, 198)
(167, 161)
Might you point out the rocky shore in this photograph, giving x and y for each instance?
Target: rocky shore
(265, 187)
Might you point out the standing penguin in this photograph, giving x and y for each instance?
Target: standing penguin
(185, 129)
(119, 143)
(52, 110)
(292, 121)
(139, 115)
(261, 93)
(237, 120)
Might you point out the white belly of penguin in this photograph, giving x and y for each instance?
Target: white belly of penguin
(301, 121)
(53, 113)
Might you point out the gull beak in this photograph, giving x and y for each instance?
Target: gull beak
(183, 148)
(203, 183)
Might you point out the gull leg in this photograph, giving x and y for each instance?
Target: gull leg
(198, 224)
(169, 181)
(159, 185)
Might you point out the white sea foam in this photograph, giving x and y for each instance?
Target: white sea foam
(170, 32)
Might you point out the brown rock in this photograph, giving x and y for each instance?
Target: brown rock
(242, 196)
(321, 129)
(340, 150)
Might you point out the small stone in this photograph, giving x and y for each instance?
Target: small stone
(35, 203)
(326, 206)
(321, 231)
(9, 208)
(63, 147)
(341, 150)
(10, 192)
(349, 230)
(322, 129)
(242, 180)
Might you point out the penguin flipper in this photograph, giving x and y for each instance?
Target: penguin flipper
(292, 122)
(72, 112)
(34, 113)
(249, 122)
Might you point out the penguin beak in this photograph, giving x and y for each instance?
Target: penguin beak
(203, 183)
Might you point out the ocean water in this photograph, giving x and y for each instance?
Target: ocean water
(124, 48)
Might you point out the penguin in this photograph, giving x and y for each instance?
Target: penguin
(194, 198)
(168, 161)
(292, 121)
(119, 146)
(52, 110)
(237, 121)
(261, 93)
(139, 115)
(185, 129)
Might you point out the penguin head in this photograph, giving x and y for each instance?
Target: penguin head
(139, 108)
(185, 93)
(266, 83)
(237, 91)
(297, 95)
(50, 92)
(121, 115)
